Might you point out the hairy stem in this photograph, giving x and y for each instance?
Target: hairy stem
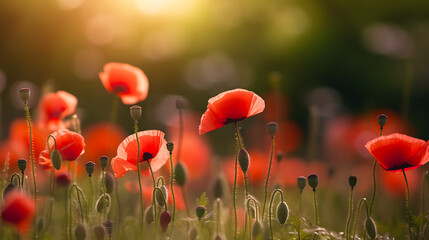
(408, 202)
(268, 177)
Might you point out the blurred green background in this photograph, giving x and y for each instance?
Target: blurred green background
(366, 54)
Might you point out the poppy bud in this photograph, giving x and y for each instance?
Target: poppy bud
(148, 213)
(80, 232)
(63, 179)
(313, 181)
(10, 187)
(22, 164)
(193, 234)
(243, 159)
(165, 220)
(56, 159)
(371, 228)
(170, 146)
(90, 166)
(180, 174)
(272, 128)
(41, 224)
(301, 182)
(218, 237)
(136, 112)
(382, 119)
(279, 156)
(257, 230)
(103, 162)
(200, 211)
(181, 103)
(109, 182)
(282, 213)
(108, 227)
(252, 211)
(102, 202)
(99, 232)
(24, 94)
(161, 198)
(218, 188)
(352, 181)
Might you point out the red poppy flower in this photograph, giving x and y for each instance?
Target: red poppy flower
(126, 81)
(70, 145)
(397, 151)
(102, 139)
(228, 107)
(54, 107)
(152, 148)
(18, 209)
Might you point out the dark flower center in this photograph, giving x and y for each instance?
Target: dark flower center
(231, 120)
(147, 156)
(120, 88)
(403, 166)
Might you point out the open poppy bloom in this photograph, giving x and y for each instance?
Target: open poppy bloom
(152, 148)
(228, 107)
(70, 145)
(126, 81)
(396, 151)
(54, 107)
(18, 209)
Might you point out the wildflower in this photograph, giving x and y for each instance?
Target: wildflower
(101, 139)
(126, 81)
(18, 209)
(63, 179)
(152, 148)
(397, 151)
(228, 107)
(54, 107)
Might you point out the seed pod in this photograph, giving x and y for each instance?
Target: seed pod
(313, 181)
(80, 232)
(22, 164)
(108, 227)
(200, 211)
(109, 182)
(56, 159)
(382, 120)
(193, 234)
(371, 228)
(170, 146)
(24, 94)
(181, 103)
(282, 213)
(10, 187)
(180, 174)
(352, 181)
(90, 167)
(103, 162)
(160, 197)
(148, 214)
(99, 232)
(218, 188)
(165, 220)
(257, 230)
(301, 182)
(243, 160)
(136, 112)
(103, 202)
(272, 128)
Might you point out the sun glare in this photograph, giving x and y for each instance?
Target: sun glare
(153, 7)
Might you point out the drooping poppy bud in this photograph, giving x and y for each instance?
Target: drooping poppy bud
(109, 182)
(371, 228)
(282, 212)
(80, 232)
(24, 94)
(218, 188)
(243, 160)
(382, 120)
(352, 181)
(257, 230)
(148, 213)
(313, 181)
(181, 103)
(272, 128)
(136, 112)
(9, 188)
(180, 174)
(165, 220)
(301, 182)
(200, 211)
(170, 146)
(99, 232)
(252, 211)
(63, 179)
(90, 167)
(193, 234)
(103, 202)
(22, 164)
(56, 159)
(108, 226)
(161, 196)
(104, 160)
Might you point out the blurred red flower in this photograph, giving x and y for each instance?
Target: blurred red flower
(18, 209)
(152, 148)
(70, 145)
(102, 139)
(126, 81)
(228, 107)
(53, 107)
(397, 151)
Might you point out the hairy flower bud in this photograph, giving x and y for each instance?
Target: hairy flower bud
(164, 220)
(103, 202)
(371, 228)
(180, 174)
(108, 226)
(80, 232)
(257, 230)
(148, 214)
(109, 182)
(56, 159)
(282, 212)
(243, 160)
(161, 196)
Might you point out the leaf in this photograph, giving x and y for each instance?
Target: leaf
(203, 201)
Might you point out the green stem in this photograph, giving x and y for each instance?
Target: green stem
(299, 215)
(316, 207)
(217, 217)
(153, 196)
(235, 182)
(65, 211)
(350, 213)
(180, 141)
(271, 205)
(172, 189)
(246, 188)
(268, 176)
(139, 178)
(362, 201)
(408, 202)
(22, 180)
(103, 179)
(374, 180)
(91, 191)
